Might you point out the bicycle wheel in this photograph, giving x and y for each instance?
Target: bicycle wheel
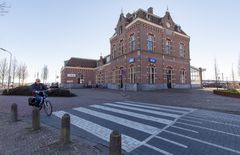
(48, 107)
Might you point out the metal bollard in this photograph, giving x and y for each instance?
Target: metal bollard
(14, 112)
(115, 147)
(35, 119)
(65, 131)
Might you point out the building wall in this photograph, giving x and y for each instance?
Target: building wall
(88, 75)
(110, 74)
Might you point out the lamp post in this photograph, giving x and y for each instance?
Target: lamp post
(10, 66)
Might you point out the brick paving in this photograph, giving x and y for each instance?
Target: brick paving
(18, 138)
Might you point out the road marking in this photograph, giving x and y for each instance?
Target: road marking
(204, 142)
(190, 120)
(125, 122)
(157, 149)
(144, 110)
(174, 126)
(154, 108)
(209, 129)
(212, 117)
(133, 114)
(170, 141)
(128, 143)
(165, 106)
(212, 121)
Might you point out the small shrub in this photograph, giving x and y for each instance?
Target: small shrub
(60, 93)
(21, 91)
(27, 91)
(229, 93)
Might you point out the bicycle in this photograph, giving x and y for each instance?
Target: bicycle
(44, 104)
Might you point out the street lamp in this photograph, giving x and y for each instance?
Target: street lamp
(10, 66)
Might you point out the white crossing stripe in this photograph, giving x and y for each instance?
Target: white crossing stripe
(145, 110)
(128, 143)
(125, 122)
(157, 149)
(187, 120)
(170, 141)
(204, 142)
(133, 114)
(155, 108)
(201, 127)
(212, 121)
(177, 127)
(165, 106)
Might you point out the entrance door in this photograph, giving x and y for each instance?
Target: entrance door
(169, 78)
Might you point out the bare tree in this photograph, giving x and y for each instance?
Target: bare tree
(239, 66)
(14, 69)
(24, 73)
(45, 73)
(19, 74)
(216, 70)
(3, 8)
(3, 70)
(233, 75)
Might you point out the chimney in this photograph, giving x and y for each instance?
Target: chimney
(150, 10)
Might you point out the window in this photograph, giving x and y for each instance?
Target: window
(80, 79)
(181, 50)
(121, 47)
(120, 30)
(150, 43)
(168, 46)
(132, 74)
(182, 76)
(152, 74)
(114, 51)
(113, 77)
(132, 43)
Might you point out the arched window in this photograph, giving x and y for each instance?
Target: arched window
(181, 50)
(168, 46)
(132, 74)
(182, 76)
(152, 74)
(150, 43)
(132, 43)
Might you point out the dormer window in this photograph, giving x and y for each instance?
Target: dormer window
(148, 16)
(120, 30)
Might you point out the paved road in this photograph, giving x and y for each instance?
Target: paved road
(150, 129)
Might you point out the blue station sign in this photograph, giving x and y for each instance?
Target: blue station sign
(131, 60)
(152, 60)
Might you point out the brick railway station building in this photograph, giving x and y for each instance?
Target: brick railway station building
(148, 52)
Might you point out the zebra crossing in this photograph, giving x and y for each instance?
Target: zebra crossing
(155, 129)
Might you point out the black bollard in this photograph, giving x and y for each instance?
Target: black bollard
(65, 131)
(14, 112)
(115, 147)
(35, 119)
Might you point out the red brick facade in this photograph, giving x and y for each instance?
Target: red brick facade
(147, 52)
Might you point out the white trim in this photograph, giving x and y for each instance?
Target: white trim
(113, 36)
(153, 24)
(78, 68)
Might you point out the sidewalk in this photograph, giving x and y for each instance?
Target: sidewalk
(18, 138)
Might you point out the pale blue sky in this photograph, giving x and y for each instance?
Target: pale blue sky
(51, 31)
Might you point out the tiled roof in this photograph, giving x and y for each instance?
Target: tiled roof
(152, 18)
(80, 62)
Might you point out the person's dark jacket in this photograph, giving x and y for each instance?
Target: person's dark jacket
(38, 87)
